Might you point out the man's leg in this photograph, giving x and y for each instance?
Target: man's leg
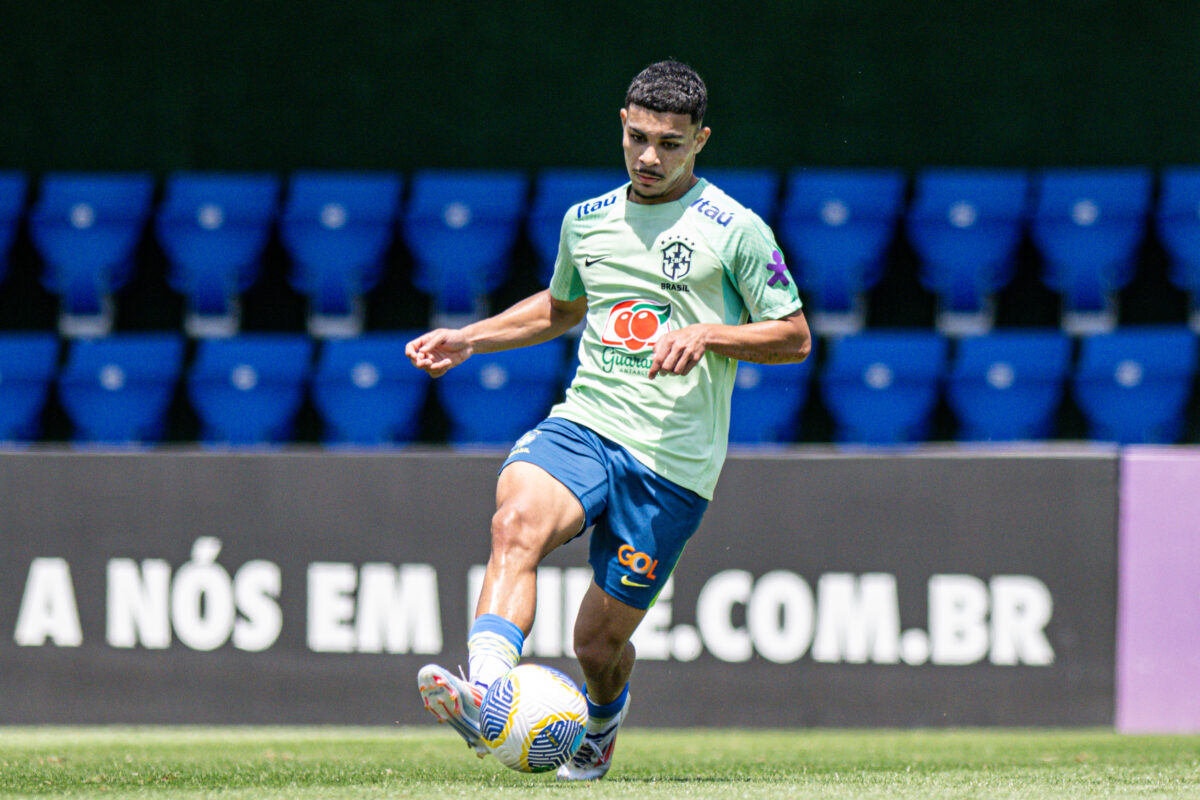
(602, 632)
(633, 551)
(535, 513)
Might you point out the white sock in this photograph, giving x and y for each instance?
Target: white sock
(493, 648)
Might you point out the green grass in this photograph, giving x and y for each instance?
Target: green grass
(429, 762)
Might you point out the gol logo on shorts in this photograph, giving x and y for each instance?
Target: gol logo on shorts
(637, 561)
(636, 324)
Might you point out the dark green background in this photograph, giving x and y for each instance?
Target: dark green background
(366, 84)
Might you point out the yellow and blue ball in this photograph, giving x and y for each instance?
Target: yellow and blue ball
(533, 719)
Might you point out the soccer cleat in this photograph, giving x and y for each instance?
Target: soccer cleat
(454, 700)
(594, 757)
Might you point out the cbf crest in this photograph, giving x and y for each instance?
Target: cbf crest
(677, 259)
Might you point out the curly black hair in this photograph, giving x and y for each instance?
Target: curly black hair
(670, 87)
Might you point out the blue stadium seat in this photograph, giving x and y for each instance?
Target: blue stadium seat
(13, 186)
(1088, 224)
(213, 228)
(767, 401)
(337, 227)
(367, 391)
(756, 189)
(1178, 224)
(116, 389)
(460, 227)
(881, 386)
(493, 398)
(87, 227)
(837, 226)
(965, 226)
(27, 365)
(1133, 384)
(554, 191)
(247, 389)
(1007, 385)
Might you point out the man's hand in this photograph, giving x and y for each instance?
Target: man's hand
(439, 350)
(678, 351)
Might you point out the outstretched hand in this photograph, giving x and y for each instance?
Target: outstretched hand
(437, 351)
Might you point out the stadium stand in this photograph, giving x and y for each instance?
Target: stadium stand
(555, 191)
(86, 228)
(1132, 384)
(1088, 225)
(837, 226)
(337, 228)
(1007, 385)
(13, 187)
(965, 226)
(1178, 226)
(247, 389)
(367, 392)
(116, 389)
(213, 228)
(28, 361)
(960, 241)
(492, 398)
(881, 386)
(460, 227)
(767, 402)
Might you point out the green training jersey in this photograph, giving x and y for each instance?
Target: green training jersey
(649, 269)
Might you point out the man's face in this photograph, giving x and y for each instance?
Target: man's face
(660, 153)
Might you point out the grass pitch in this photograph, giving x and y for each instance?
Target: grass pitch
(304, 763)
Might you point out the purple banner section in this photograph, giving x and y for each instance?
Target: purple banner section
(1158, 590)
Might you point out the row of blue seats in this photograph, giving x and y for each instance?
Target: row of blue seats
(835, 225)
(1132, 385)
(879, 386)
(248, 389)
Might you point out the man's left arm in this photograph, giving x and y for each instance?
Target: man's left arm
(774, 341)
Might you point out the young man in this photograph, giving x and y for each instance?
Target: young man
(678, 282)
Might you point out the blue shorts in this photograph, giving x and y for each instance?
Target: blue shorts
(642, 520)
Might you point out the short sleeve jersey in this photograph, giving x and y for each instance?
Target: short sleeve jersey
(651, 268)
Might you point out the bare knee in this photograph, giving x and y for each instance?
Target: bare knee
(515, 536)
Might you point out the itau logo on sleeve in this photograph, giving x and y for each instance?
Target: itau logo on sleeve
(636, 324)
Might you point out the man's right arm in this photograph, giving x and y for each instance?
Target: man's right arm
(536, 319)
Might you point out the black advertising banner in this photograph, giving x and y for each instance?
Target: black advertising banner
(933, 588)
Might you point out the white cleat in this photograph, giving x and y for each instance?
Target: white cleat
(454, 700)
(594, 757)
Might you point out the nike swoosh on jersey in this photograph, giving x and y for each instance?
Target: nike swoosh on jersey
(587, 262)
(625, 581)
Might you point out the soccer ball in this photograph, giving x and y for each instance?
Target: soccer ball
(533, 719)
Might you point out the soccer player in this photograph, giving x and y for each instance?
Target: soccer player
(677, 282)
